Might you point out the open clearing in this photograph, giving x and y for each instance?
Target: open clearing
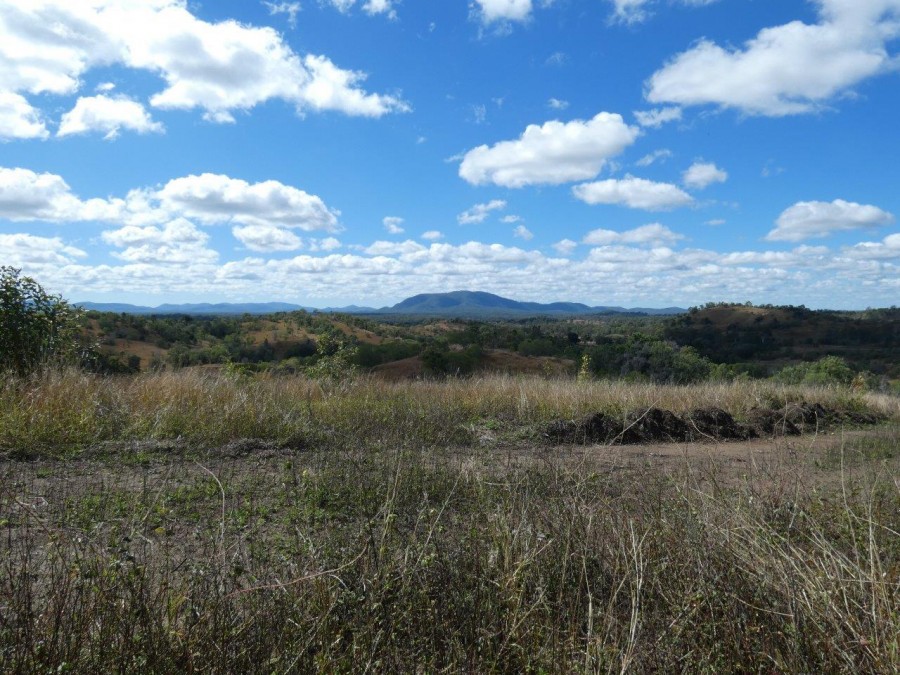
(208, 522)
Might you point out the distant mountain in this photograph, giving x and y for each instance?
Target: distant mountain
(200, 308)
(480, 304)
(349, 309)
(458, 304)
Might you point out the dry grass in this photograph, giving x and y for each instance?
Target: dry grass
(362, 560)
(64, 410)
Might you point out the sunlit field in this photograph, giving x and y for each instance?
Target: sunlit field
(221, 523)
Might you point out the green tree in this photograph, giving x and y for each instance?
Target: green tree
(36, 328)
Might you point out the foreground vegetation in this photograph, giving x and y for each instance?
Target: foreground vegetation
(60, 412)
(154, 557)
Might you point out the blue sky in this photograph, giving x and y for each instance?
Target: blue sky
(628, 152)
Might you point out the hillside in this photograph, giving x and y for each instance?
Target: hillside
(772, 336)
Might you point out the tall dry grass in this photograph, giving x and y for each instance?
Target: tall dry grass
(70, 408)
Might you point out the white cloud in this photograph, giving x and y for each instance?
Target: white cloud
(557, 59)
(266, 238)
(393, 224)
(26, 195)
(635, 11)
(373, 7)
(178, 241)
(635, 193)
(788, 69)
(23, 249)
(715, 222)
(655, 156)
(887, 249)
(565, 246)
(807, 220)
(491, 11)
(552, 153)
(630, 11)
(107, 116)
(557, 104)
(616, 274)
(18, 119)
(218, 68)
(210, 199)
(479, 212)
(657, 117)
(510, 219)
(213, 198)
(326, 244)
(382, 248)
(523, 232)
(291, 9)
(654, 233)
(432, 235)
(703, 174)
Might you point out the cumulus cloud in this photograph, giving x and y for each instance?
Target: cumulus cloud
(432, 235)
(557, 104)
(393, 224)
(553, 153)
(266, 238)
(807, 220)
(218, 68)
(635, 193)
(657, 117)
(107, 116)
(210, 199)
(27, 196)
(788, 69)
(703, 174)
(373, 7)
(479, 212)
(565, 246)
(26, 249)
(214, 198)
(491, 11)
(523, 232)
(648, 274)
(654, 233)
(887, 249)
(178, 241)
(384, 248)
(18, 119)
(326, 244)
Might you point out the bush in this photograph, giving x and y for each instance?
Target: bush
(825, 371)
(36, 328)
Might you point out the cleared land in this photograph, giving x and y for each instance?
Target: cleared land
(187, 522)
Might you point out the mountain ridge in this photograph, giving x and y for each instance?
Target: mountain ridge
(457, 304)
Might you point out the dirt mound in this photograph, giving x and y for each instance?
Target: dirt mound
(655, 425)
(715, 424)
(596, 428)
(772, 422)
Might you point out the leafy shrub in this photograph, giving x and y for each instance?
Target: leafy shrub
(825, 371)
(36, 328)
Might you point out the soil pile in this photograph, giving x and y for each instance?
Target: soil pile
(655, 425)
